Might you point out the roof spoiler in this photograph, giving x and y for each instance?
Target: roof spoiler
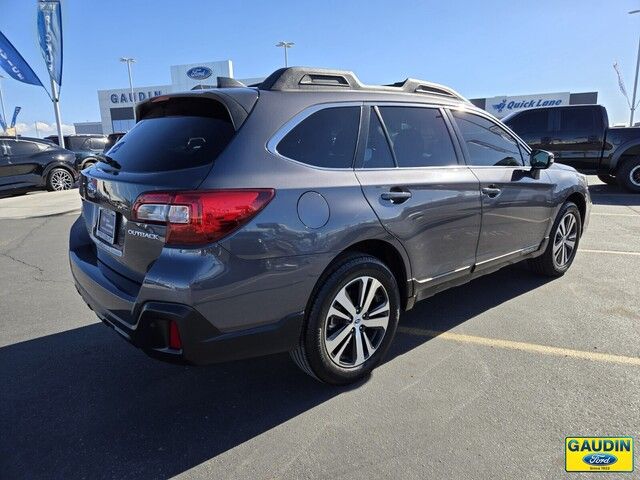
(307, 78)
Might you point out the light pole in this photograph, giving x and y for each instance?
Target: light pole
(635, 83)
(129, 61)
(4, 113)
(285, 46)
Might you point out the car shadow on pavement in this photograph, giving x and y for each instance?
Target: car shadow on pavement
(602, 194)
(84, 404)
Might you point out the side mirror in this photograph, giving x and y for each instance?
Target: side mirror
(540, 159)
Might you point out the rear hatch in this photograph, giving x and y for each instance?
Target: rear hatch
(171, 148)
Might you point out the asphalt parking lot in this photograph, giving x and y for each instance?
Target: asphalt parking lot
(483, 381)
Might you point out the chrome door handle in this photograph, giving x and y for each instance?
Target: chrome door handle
(396, 196)
(491, 192)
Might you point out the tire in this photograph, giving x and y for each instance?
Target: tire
(333, 347)
(608, 179)
(59, 179)
(546, 264)
(628, 175)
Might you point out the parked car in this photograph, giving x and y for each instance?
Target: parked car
(304, 215)
(87, 147)
(112, 139)
(30, 163)
(580, 136)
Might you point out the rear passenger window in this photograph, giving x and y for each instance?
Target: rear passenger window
(532, 121)
(419, 136)
(377, 154)
(326, 138)
(488, 143)
(577, 120)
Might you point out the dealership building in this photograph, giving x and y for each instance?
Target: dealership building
(503, 105)
(116, 105)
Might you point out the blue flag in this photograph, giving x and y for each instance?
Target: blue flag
(3, 124)
(12, 62)
(15, 116)
(50, 37)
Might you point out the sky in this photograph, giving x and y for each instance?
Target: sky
(481, 49)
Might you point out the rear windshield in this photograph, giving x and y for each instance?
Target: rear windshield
(172, 143)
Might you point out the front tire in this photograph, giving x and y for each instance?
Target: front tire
(628, 175)
(351, 321)
(59, 179)
(563, 243)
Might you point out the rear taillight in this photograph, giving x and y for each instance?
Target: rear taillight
(175, 342)
(200, 217)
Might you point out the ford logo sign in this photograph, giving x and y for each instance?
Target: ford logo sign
(199, 73)
(599, 459)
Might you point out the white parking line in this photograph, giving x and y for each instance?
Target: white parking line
(637, 215)
(523, 346)
(611, 252)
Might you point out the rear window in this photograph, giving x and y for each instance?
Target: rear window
(326, 138)
(172, 143)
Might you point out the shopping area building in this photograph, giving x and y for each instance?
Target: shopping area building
(116, 105)
(503, 105)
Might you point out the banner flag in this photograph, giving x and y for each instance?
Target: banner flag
(3, 124)
(621, 82)
(50, 37)
(12, 62)
(15, 116)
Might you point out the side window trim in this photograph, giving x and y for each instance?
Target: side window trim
(386, 135)
(272, 144)
(467, 157)
(449, 125)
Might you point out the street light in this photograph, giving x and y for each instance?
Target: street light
(129, 61)
(635, 83)
(286, 46)
(4, 113)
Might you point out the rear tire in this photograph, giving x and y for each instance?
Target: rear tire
(59, 179)
(563, 243)
(608, 179)
(351, 321)
(628, 175)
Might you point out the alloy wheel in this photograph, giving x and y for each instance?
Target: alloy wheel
(356, 322)
(564, 240)
(61, 180)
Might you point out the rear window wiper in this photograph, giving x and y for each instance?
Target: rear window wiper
(109, 161)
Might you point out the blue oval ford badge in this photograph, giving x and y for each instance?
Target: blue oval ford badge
(199, 73)
(599, 459)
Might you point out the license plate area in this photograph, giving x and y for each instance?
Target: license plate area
(106, 225)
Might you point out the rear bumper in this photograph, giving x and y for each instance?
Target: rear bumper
(145, 323)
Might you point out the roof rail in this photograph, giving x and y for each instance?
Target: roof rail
(308, 78)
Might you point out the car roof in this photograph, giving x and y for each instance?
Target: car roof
(342, 84)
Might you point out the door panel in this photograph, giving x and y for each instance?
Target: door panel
(24, 167)
(579, 137)
(515, 210)
(4, 164)
(516, 206)
(433, 210)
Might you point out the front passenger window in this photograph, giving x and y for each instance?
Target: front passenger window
(488, 143)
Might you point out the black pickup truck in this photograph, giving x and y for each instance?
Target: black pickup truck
(580, 136)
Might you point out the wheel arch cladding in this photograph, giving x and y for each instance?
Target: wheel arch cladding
(384, 251)
(581, 203)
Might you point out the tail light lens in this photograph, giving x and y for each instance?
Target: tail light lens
(175, 343)
(200, 217)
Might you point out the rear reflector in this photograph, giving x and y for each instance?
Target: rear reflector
(174, 336)
(200, 217)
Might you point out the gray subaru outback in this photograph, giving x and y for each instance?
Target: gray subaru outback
(305, 214)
